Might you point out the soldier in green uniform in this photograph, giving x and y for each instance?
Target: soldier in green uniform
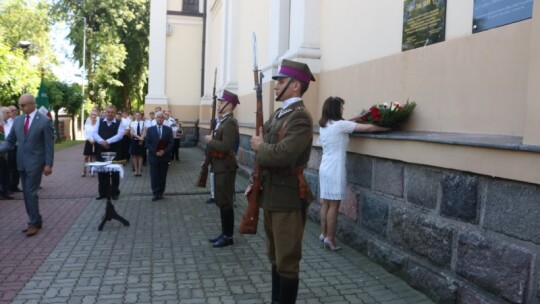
(283, 153)
(221, 147)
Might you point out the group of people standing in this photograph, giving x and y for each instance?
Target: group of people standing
(283, 148)
(9, 175)
(153, 138)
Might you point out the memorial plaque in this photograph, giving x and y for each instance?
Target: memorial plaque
(489, 14)
(424, 23)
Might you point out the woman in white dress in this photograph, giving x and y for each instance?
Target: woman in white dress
(334, 138)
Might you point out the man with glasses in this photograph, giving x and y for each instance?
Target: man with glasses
(34, 136)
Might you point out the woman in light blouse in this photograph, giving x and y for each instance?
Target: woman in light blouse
(90, 145)
(137, 149)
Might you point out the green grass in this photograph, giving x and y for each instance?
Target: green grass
(66, 144)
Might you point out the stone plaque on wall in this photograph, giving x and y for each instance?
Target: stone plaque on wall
(489, 14)
(424, 23)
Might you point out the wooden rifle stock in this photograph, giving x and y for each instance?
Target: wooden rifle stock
(203, 175)
(250, 220)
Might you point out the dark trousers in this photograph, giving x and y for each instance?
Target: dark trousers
(158, 175)
(4, 177)
(30, 186)
(13, 174)
(109, 182)
(125, 145)
(175, 153)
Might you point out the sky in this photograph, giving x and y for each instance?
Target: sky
(68, 70)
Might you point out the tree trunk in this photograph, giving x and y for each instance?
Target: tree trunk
(73, 122)
(57, 126)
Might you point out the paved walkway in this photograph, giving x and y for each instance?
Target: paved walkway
(164, 256)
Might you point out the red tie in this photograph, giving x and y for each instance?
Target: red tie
(26, 123)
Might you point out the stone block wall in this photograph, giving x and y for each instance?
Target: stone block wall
(456, 236)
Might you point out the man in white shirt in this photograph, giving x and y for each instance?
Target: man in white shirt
(169, 120)
(4, 174)
(12, 155)
(108, 135)
(126, 139)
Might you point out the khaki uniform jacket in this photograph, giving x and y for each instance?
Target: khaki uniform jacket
(280, 192)
(224, 140)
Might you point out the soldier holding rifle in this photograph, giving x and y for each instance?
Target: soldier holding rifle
(283, 152)
(221, 147)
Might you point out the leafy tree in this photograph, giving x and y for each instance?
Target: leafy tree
(64, 96)
(73, 100)
(116, 46)
(16, 75)
(23, 20)
(55, 93)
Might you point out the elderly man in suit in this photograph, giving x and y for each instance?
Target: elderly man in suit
(33, 134)
(283, 153)
(159, 142)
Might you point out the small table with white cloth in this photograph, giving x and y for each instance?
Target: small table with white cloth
(110, 212)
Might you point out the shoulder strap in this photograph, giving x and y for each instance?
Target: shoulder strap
(281, 132)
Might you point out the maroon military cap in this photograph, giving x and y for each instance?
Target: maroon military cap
(296, 70)
(230, 97)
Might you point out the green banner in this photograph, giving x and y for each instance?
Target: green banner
(42, 100)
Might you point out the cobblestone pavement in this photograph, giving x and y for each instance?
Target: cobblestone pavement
(164, 256)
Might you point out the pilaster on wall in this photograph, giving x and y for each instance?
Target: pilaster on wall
(230, 38)
(158, 30)
(532, 119)
(304, 33)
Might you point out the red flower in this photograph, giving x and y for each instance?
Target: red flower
(375, 114)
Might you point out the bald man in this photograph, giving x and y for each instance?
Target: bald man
(33, 134)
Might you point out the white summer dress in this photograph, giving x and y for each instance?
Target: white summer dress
(334, 139)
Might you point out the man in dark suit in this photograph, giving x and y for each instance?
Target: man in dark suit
(283, 153)
(159, 142)
(33, 134)
(108, 136)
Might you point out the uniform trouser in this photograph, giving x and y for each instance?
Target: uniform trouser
(113, 179)
(30, 186)
(284, 232)
(224, 188)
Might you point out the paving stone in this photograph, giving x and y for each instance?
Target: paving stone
(164, 255)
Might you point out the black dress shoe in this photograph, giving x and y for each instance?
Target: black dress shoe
(154, 198)
(100, 197)
(224, 241)
(25, 230)
(211, 201)
(7, 197)
(16, 190)
(215, 239)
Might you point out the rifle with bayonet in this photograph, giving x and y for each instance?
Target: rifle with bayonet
(203, 175)
(250, 220)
